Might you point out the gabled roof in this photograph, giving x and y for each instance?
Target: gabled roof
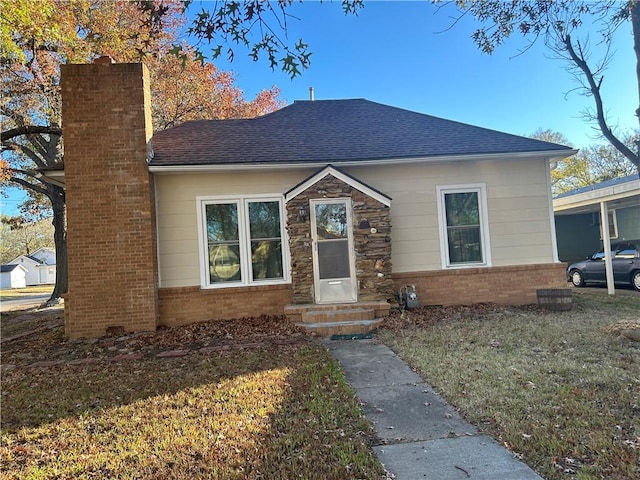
(17, 260)
(10, 268)
(336, 132)
(340, 175)
(38, 257)
(31, 257)
(42, 254)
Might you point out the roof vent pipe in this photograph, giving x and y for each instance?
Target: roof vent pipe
(311, 94)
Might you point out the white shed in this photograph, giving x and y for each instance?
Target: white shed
(13, 276)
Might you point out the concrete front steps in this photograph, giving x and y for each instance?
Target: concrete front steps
(340, 318)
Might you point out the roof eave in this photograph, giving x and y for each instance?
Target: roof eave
(550, 155)
(593, 197)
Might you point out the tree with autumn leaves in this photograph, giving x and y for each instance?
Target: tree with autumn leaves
(37, 37)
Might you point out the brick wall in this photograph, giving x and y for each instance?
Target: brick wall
(184, 305)
(110, 209)
(513, 285)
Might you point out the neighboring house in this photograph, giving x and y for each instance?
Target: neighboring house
(13, 276)
(320, 205)
(40, 266)
(578, 215)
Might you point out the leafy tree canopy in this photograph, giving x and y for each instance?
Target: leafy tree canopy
(592, 164)
(37, 37)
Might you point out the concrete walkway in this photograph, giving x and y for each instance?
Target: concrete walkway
(419, 435)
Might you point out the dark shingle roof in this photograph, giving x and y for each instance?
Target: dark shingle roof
(332, 131)
(8, 268)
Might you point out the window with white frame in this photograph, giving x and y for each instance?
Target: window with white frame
(241, 241)
(463, 225)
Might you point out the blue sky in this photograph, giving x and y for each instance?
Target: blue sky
(392, 53)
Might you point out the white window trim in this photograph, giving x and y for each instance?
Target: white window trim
(245, 242)
(481, 190)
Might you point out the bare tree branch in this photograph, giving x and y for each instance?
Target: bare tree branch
(16, 147)
(29, 130)
(594, 88)
(23, 183)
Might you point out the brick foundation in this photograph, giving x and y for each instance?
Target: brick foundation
(513, 285)
(109, 195)
(185, 305)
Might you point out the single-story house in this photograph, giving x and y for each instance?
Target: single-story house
(322, 210)
(13, 276)
(578, 216)
(40, 266)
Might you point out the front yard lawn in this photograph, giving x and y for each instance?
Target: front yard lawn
(238, 405)
(554, 388)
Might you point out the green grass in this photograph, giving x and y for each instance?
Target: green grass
(274, 412)
(552, 387)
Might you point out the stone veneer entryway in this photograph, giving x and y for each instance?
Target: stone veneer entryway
(371, 227)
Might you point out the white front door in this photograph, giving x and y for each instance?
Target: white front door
(333, 259)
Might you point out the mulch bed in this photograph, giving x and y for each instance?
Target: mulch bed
(36, 339)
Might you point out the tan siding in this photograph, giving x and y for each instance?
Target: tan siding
(178, 217)
(179, 276)
(516, 195)
(531, 227)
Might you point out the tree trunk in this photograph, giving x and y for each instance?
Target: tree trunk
(60, 238)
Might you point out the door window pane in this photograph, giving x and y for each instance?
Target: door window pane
(331, 220)
(333, 259)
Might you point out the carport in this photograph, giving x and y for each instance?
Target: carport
(601, 202)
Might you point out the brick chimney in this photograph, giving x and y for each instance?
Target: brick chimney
(110, 206)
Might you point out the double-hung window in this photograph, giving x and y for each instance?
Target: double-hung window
(242, 241)
(463, 222)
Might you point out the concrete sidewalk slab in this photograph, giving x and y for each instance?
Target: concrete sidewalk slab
(372, 366)
(477, 457)
(411, 413)
(419, 435)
